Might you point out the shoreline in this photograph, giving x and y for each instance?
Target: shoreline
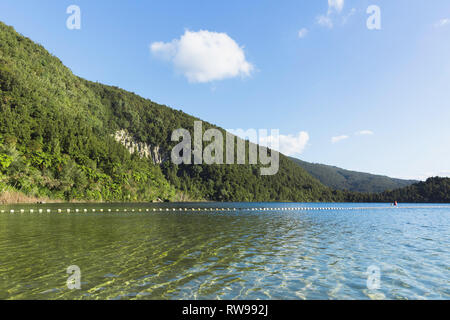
(12, 197)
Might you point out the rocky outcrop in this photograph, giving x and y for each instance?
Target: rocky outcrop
(141, 148)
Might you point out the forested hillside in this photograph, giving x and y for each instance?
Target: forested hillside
(341, 179)
(57, 141)
(434, 190)
(66, 138)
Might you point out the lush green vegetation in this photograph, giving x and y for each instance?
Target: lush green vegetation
(57, 141)
(434, 190)
(341, 179)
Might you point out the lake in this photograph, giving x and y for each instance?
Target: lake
(226, 251)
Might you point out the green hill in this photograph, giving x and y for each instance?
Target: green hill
(59, 139)
(434, 190)
(341, 179)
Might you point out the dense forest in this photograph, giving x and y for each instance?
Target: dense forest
(434, 190)
(58, 141)
(341, 179)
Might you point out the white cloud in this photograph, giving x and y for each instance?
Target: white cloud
(337, 5)
(302, 33)
(364, 132)
(287, 144)
(339, 138)
(442, 23)
(204, 56)
(324, 21)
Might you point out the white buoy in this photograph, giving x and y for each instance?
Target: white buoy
(40, 210)
(12, 211)
(68, 210)
(109, 210)
(48, 210)
(76, 210)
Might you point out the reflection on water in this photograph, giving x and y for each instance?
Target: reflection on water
(224, 255)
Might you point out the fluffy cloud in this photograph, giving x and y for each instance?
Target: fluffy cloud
(339, 138)
(364, 132)
(334, 7)
(324, 21)
(359, 133)
(302, 33)
(204, 56)
(442, 23)
(289, 145)
(337, 5)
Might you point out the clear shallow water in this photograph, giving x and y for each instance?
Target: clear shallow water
(242, 254)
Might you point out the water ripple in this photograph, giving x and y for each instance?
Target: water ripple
(239, 255)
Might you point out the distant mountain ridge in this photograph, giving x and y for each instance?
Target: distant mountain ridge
(342, 179)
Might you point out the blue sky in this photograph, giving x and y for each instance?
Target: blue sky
(329, 82)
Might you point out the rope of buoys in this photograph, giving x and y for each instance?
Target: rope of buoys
(224, 209)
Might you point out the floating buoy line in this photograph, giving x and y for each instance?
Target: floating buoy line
(215, 209)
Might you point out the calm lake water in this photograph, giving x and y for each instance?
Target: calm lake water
(247, 252)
